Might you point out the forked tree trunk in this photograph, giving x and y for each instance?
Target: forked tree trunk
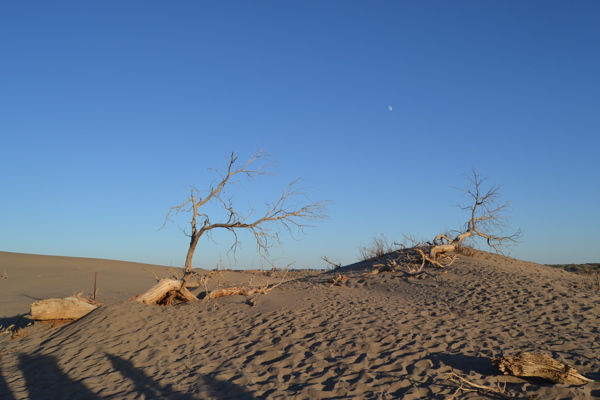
(540, 366)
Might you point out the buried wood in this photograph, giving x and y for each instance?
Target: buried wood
(165, 292)
(540, 366)
(245, 291)
(69, 308)
(237, 290)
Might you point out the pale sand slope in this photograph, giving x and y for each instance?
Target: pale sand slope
(378, 337)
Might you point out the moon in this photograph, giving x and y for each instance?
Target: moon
(390, 108)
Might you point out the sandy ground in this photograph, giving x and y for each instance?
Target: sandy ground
(376, 337)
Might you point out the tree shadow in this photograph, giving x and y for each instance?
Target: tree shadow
(480, 365)
(146, 385)
(45, 380)
(20, 321)
(4, 390)
(466, 364)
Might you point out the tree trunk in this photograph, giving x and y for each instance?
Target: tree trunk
(69, 308)
(165, 291)
(540, 366)
(190, 254)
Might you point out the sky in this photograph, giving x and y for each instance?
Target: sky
(110, 111)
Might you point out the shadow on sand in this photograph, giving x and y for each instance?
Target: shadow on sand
(466, 364)
(19, 321)
(211, 386)
(44, 379)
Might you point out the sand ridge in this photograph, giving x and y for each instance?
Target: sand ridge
(376, 337)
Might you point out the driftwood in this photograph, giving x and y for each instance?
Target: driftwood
(165, 292)
(68, 308)
(541, 366)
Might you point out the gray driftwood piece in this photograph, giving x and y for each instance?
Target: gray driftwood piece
(541, 366)
(68, 308)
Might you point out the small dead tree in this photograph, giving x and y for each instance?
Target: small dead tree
(279, 215)
(287, 214)
(487, 219)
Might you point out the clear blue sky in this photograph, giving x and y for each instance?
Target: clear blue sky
(110, 110)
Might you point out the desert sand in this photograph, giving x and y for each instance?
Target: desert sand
(385, 336)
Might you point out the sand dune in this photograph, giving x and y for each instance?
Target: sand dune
(375, 337)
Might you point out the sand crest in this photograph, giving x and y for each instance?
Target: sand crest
(376, 337)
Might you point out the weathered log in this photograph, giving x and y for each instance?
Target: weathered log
(540, 366)
(68, 308)
(239, 290)
(165, 291)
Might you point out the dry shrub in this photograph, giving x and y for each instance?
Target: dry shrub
(379, 247)
(409, 241)
(594, 280)
(465, 249)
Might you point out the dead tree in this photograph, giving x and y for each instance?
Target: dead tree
(266, 228)
(487, 220)
(289, 213)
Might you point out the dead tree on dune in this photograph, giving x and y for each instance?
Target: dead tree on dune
(487, 220)
(289, 213)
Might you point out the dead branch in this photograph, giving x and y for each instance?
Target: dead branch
(425, 258)
(465, 385)
(152, 273)
(246, 291)
(334, 264)
(473, 387)
(197, 280)
(7, 330)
